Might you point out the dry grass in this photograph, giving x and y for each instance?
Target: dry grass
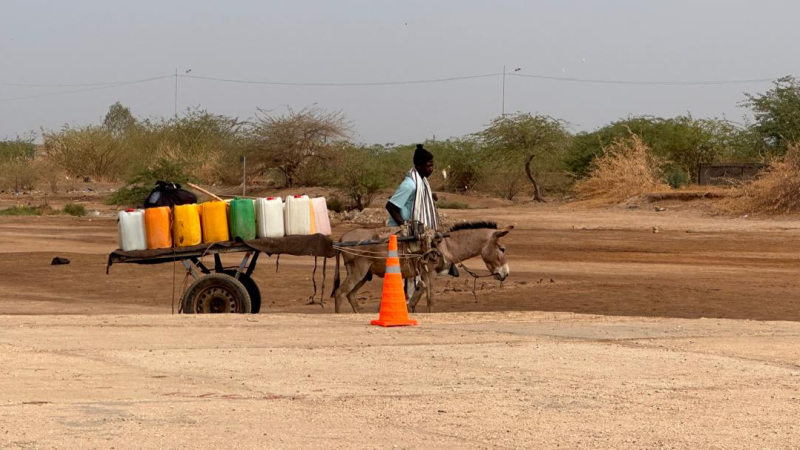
(626, 169)
(777, 191)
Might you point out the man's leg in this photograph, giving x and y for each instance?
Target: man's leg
(411, 287)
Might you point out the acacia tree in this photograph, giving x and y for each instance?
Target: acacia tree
(521, 138)
(91, 150)
(360, 173)
(777, 113)
(287, 142)
(119, 120)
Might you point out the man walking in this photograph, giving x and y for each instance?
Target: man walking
(414, 199)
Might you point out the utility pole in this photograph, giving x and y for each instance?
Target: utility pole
(176, 92)
(176, 89)
(244, 176)
(502, 112)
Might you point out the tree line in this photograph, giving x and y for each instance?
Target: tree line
(515, 155)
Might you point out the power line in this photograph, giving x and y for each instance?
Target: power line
(113, 85)
(107, 85)
(489, 75)
(645, 83)
(377, 83)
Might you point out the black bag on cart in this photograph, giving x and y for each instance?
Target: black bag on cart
(169, 194)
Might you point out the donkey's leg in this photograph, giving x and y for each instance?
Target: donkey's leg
(357, 275)
(351, 296)
(353, 278)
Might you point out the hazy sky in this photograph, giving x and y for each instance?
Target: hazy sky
(94, 41)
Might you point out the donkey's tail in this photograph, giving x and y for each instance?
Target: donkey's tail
(336, 277)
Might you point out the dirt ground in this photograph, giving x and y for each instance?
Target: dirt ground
(459, 380)
(611, 332)
(597, 261)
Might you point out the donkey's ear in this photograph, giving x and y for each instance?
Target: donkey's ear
(500, 233)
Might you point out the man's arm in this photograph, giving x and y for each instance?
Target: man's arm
(394, 212)
(400, 197)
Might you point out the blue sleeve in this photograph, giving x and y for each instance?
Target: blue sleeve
(403, 193)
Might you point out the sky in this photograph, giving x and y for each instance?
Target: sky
(108, 41)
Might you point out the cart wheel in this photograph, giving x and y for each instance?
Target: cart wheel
(252, 289)
(216, 293)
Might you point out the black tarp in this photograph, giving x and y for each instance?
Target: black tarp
(169, 194)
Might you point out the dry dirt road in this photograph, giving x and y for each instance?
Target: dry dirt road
(653, 360)
(459, 380)
(605, 261)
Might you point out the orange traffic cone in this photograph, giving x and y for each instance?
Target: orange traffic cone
(394, 312)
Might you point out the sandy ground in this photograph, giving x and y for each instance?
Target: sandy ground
(606, 335)
(459, 380)
(605, 261)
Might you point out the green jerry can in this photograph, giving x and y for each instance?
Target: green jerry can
(243, 219)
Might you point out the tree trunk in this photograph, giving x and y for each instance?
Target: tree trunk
(287, 177)
(537, 194)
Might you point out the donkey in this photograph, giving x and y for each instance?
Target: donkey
(467, 240)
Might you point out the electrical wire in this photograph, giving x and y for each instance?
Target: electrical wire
(489, 75)
(111, 83)
(53, 94)
(108, 85)
(377, 83)
(644, 83)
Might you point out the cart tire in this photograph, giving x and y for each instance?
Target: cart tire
(252, 289)
(216, 293)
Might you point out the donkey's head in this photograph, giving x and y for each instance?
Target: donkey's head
(493, 254)
(470, 239)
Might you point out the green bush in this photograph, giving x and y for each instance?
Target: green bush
(677, 178)
(74, 210)
(140, 185)
(335, 205)
(360, 175)
(449, 204)
(20, 211)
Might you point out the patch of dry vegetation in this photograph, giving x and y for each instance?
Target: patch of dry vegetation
(626, 169)
(777, 191)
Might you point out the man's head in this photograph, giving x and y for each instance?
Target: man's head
(423, 161)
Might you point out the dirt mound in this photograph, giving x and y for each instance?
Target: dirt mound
(626, 169)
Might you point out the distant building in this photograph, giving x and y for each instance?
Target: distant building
(726, 173)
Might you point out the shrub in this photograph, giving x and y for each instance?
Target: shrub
(88, 151)
(74, 209)
(627, 168)
(335, 205)
(504, 180)
(20, 211)
(140, 185)
(449, 204)
(677, 178)
(360, 175)
(777, 191)
(19, 174)
(464, 161)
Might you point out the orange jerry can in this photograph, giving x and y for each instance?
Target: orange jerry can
(158, 227)
(214, 217)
